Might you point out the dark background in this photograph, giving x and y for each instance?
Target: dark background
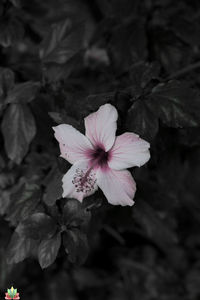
(60, 60)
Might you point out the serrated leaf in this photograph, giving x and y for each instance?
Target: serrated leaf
(48, 250)
(18, 128)
(22, 92)
(76, 246)
(37, 226)
(62, 43)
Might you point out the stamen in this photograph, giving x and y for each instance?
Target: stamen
(84, 181)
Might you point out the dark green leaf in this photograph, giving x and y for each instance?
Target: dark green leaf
(76, 246)
(38, 226)
(48, 250)
(62, 43)
(18, 128)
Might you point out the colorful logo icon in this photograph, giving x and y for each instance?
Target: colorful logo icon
(12, 294)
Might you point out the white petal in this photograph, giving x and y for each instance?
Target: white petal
(129, 150)
(72, 186)
(101, 126)
(118, 186)
(73, 144)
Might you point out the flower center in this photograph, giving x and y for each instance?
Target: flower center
(99, 157)
(85, 180)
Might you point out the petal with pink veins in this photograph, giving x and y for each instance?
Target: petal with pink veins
(79, 181)
(129, 150)
(101, 126)
(73, 144)
(118, 186)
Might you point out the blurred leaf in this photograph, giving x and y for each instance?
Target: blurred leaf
(155, 228)
(128, 44)
(62, 118)
(88, 278)
(7, 81)
(169, 50)
(75, 215)
(23, 199)
(189, 137)
(7, 179)
(185, 29)
(16, 3)
(48, 250)
(174, 103)
(177, 104)
(141, 74)
(142, 120)
(76, 246)
(118, 8)
(37, 226)
(53, 183)
(18, 128)
(11, 32)
(22, 92)
(54, 72)
(62, 43)
(19, 248)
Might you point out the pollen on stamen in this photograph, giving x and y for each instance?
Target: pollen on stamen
(83, 182)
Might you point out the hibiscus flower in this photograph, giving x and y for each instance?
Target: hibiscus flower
(100, 159)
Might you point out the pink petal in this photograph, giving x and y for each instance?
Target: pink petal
(118, 186)
(73, 144)
(72, 187)
(101, 126)
(129, 150)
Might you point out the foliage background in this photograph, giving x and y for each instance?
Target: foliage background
(60, 60)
